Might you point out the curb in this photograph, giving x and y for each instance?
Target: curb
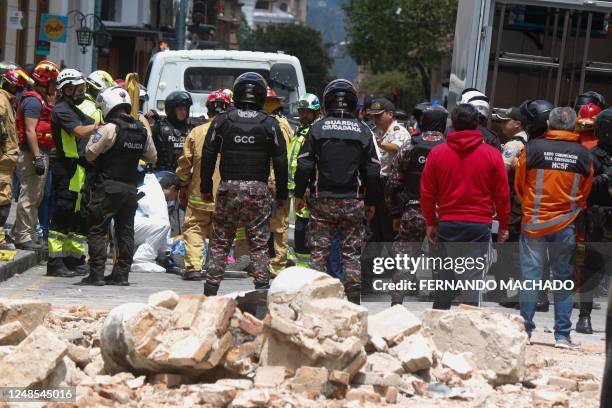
(23, 261)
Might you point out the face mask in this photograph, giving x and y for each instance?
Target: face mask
(79, 99)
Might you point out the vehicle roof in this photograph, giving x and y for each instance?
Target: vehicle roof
(224, 54)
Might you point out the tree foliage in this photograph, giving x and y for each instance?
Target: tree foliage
(302, 42)
(408, 88)
(400, 35)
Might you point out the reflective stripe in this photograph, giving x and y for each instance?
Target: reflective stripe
(538, 195)
(551, 223)
(69, 145)
(574, 193)
(56, 244)
(240, 234)
(73, 248)
(76, 185)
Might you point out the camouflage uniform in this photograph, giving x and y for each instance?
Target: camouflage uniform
(247, 203)
(346, 214)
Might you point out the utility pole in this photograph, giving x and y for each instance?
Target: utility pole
(94, 50)
(180, 25)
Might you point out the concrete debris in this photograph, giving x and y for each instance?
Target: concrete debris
(363, 394)
(564, 383)
(393, 324)
(310, 380)
(588, 386)
(270, 376)
(383, 363)
(80, 355)
(497, 340)
(548, 398)
(30, 313)
(33, 360)
(167, 298)
(458, 363)
(12, 333)
(414, 352)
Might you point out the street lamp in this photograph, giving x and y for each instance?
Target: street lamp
(84, 36)
(101, 38)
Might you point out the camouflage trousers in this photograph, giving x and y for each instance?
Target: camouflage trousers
(408, 241)
(247, 203)
(348, 216)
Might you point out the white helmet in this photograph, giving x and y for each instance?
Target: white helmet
(69, 76)
(112, 97)
(100, 80)
(477, 99)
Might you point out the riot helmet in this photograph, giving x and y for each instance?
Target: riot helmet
(434, 119)
(603, 128)
(250, 90)
(340, 97)
(589, 97)
(535, 114)
(173, 101)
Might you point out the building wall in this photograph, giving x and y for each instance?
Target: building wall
(16, 40)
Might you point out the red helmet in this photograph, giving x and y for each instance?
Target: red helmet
(120, 82)
(272, 95)
(218, 101)
(18, 78)
(45, 72)
(587, 114)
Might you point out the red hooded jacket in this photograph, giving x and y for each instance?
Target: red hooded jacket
(466, 180)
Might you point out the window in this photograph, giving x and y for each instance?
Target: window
(109, 10)
(209, 79)
(262, 5)
(283, 7)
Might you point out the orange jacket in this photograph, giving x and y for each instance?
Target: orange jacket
(552, 181)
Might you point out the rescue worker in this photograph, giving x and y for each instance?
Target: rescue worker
(169, 133)
(8, 158)
(480, 101)
(585, 122)
(247, 139)
(97, 81)
(116, 149)
(338, 158)
(589, 97)
(71, 129)
(598, 225)
(35, 147)
(308, 111)
(403, 188)
(197, 226)
(279, 221)
(14, 82)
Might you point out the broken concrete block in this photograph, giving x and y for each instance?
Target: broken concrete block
(565, 383)
(391, 395)
(64, 375)
(590, 385)
(243, 359)
(378, 343)
(383, 363)
(309, 379)
(551, 398)
(136, 382)
(169, 380)
(251, 325)
(12, 333)
(189, 351)
(497, 340)
(216, 395)
(80, 355)
(33, 360)
(255, 397)
(414, 352)
(458, 364)
(167, 298)
(6, 350)
(234, 383)
(30, 313)
(214, 314)
(363, 394)
(270, 376)
(186, 310)
(340, 377)
(393, 324)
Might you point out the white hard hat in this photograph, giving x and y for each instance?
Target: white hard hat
(477, 99)
(69, 76)
(112, 97)
(100, 80)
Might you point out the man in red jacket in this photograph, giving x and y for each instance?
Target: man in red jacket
(466, 181)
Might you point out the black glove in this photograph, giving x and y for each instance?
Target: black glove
(39, 165)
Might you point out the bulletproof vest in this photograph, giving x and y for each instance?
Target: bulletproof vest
(422, 145)
(604, 160)
(120, 162)
(247, 140)
(169, 145)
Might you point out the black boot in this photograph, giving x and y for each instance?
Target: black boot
(56, 267)
(262, 285)
(117, 279)
(584, 325)
(353, 293)
(78, 266)
(91, 280)
(211, 289)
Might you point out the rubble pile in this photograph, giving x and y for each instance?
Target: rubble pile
(312, 349)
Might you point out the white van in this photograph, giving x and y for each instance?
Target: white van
(201, 72)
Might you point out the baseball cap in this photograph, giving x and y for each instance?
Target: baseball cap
(380, 105)
(512, 113)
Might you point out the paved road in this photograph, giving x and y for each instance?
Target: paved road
(62, 292)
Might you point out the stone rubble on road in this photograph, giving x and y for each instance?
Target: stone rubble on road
(312, 349)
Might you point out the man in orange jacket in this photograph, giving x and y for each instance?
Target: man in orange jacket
(552, 181)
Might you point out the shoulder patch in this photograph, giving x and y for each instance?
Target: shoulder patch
(96, 137)
(508, 151)
(396, 128)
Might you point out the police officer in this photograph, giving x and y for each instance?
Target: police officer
(247, 139)
(598, 225)
(71, 129)
(116, 149)
(404, 185)
(170, 132)
(338, 153)
(589, 97)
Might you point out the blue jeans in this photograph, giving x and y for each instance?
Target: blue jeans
(334, 262)
(560, 247)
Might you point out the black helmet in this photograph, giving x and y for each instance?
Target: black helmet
(417, 111)
(603, 128)
(340, 96)
(434, 119)
(250, 90)
(173, 101)
(589, 97)
(535, 114)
